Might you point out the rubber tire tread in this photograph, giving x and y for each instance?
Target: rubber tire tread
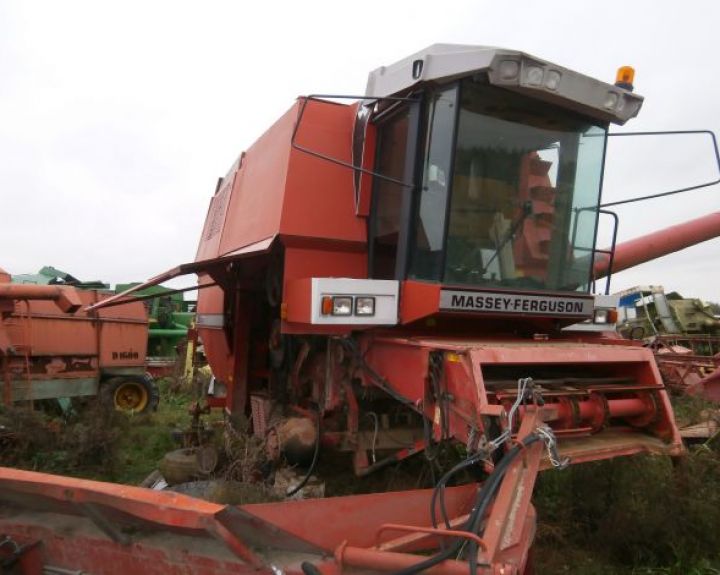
(179, 466)
(110, 385)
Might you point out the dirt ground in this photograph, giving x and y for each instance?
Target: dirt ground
(630, 516)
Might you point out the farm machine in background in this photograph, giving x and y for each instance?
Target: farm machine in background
(683, 332)
(52, 348)
(381, 279)
(647, 311)
(170, 316)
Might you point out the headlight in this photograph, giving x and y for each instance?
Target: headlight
(534, 76)
(364, 305)
(347, 305)
(509, 69)
(342, 305)
(605, 316)
(552, 80)
(601, 316)
(611, 100)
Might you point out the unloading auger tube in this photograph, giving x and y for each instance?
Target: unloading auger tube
(654, 245)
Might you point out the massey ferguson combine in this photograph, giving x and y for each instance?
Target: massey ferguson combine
(381, 278)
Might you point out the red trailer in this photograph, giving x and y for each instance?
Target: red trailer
(51, 347)
(379, 278)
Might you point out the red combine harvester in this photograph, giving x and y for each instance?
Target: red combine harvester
(380, 278)
(50, 347)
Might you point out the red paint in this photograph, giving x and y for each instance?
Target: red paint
(46, 333)
(661, 243)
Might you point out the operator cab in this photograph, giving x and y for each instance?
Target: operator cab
(507, 194)
(489, 170)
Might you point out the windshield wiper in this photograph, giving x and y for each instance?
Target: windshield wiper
(526, 211)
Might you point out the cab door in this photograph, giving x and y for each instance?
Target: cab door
(397, 146)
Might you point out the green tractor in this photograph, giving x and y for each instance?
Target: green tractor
(170, 318)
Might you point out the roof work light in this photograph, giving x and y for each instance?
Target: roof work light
(625, 77)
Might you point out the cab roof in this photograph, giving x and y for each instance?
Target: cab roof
(510, 69)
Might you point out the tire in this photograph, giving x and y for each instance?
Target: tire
(207, 458)
(179, 466)
(637, 333)
(130, 394)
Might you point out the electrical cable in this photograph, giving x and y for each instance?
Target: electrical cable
(523, 384)
(309, 569)
(542, 433)
(432, 449)
(487, 493)
(547, 435)
(372, 415)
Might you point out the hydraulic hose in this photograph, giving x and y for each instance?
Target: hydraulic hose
(440, 489)
(482, 501)
(485, 497)
(494, 444)
(309, 569)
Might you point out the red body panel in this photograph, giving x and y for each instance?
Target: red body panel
(708, 388)
(319, 202)
(274, 189)
(215, 340)
(476, 389)
(258, 190)
(661, 243)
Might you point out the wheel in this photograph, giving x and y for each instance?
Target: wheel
(637, 332)
(130, 393)
(207, 459)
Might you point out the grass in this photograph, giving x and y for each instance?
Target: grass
(633, 515)
(93, 442)
(146, 438)
(689, 410)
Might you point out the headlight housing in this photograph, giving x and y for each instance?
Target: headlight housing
(605, 316)
(342, 305)
(365, 305)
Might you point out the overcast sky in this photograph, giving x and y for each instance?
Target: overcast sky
(116, 118)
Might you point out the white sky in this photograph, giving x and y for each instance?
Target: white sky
(117, 118)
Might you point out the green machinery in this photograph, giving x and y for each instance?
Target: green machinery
(647, 311)
(170, 316)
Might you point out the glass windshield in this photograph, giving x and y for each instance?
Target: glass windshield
(523, 193)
